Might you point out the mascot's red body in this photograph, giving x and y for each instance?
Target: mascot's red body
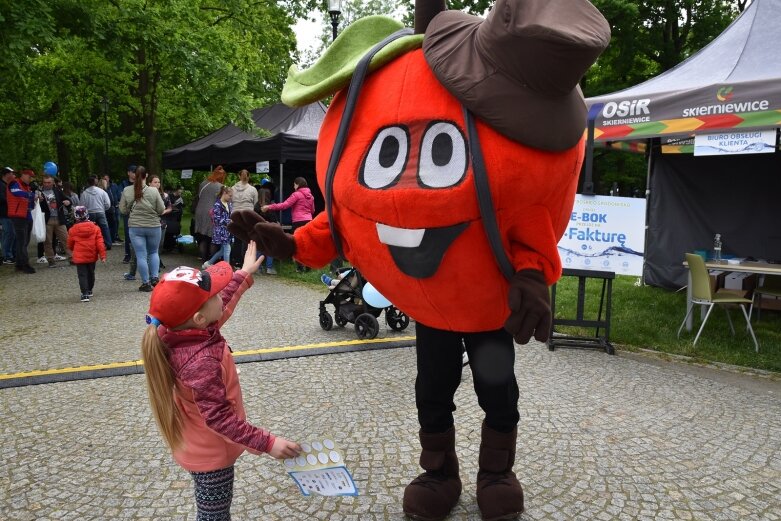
(406, 210)
(533, 191)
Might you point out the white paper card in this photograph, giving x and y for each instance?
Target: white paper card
(320, 469)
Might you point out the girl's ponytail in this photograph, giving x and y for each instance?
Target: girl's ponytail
(160, 384)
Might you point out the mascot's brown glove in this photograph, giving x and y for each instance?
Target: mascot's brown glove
(529, 302)
(270, 238)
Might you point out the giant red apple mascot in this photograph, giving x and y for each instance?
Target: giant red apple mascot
(448, 163)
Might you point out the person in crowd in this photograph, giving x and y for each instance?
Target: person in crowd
(202, 206)
(302, 206)
(129, 181)
(97, 202)
(21, 198)
(155, 182)
(221, 217)
(173, 220)
(7, 241)
(86, 242)
(245, 197)
(67, 190)
(193, 384)
(114, 193)
(143, 206)
(55, 207)
(266, 196)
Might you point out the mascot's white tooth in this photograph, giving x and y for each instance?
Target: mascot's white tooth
(404, 237)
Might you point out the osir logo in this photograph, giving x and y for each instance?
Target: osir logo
(622, 109)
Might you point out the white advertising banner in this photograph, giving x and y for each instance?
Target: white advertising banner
(605, 234)
(262, 167)
(741, 142)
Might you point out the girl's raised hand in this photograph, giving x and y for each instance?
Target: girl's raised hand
(251, 264)
(283, 448)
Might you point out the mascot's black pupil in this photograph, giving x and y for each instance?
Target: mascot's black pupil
(442, 149)
(389, 151)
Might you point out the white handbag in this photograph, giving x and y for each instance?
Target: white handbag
(39, 226)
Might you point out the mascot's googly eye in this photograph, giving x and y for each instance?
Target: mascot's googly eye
(387, 158)
(443, 156)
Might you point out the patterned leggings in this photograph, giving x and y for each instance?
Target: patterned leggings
(213, 494)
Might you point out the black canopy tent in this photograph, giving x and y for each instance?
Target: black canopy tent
(291, 145)
(732, 84)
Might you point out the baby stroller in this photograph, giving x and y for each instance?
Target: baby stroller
(349, 307)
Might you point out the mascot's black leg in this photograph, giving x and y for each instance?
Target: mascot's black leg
(433, 494)
(492, 358)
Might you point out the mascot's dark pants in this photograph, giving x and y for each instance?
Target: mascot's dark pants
(491, 358)
(434, 493)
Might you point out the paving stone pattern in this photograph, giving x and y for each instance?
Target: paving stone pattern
(600, 437)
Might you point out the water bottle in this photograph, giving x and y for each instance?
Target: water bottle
(717, 247)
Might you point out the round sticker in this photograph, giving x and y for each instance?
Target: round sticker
(300, 461)
(334, 456)
(306, 447)
(290, 462)
(323, 457)
(328, 444)
(311, 459)
(317, 445)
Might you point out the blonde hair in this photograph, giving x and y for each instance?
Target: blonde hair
(160, 384)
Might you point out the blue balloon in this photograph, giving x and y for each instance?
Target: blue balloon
(50, 168)
(373, 297)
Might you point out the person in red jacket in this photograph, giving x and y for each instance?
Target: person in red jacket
(85, 240)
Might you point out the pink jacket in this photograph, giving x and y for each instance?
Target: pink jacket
(301, 202)
(208, 395)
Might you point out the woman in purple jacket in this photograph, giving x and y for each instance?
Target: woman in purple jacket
(302, 205)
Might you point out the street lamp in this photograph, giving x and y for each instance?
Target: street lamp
(104, 106)
(335, 10)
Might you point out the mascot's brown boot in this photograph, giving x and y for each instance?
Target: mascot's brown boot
(433, 494)
(499, 494)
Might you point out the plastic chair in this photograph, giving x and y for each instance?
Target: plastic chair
(702, 295)
(771, 287)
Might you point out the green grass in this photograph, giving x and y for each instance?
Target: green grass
(646, 317)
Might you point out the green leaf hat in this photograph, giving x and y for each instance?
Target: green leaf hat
(333, 71)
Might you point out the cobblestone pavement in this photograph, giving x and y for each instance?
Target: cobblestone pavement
(601, 437)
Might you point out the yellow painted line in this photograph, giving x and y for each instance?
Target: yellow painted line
(323, 344)
(98, 367)
(65, 370)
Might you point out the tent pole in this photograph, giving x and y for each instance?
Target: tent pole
(281, 189)
(588, 184)
(647, 203)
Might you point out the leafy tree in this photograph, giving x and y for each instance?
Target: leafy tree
(169, 70)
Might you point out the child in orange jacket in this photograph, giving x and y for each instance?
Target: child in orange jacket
(86, 242)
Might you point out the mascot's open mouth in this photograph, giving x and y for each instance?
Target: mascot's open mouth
(418, 252)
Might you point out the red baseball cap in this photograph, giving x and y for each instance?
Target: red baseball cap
(182, 292)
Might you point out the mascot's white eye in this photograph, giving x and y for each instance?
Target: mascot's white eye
(443, 156)
(387, 157)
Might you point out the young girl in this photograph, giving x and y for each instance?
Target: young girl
(193, 384)
(221, 216)
(86, 242)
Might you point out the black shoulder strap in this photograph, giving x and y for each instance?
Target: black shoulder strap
(344, 127)
(484, 201)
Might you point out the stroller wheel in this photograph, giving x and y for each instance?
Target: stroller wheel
(366, 326)
(326, 322)
(341, 321)
(396, 319)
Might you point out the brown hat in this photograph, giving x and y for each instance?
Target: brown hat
(518, 70)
